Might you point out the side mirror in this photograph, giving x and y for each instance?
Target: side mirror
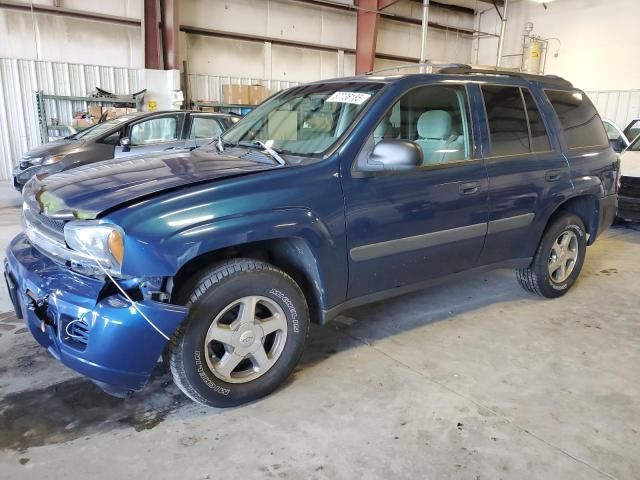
(394, 156)
(124, 143)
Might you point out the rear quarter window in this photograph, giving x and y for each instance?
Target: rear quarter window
(581, 124)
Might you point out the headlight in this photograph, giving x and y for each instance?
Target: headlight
(50, 159)
(103, 242)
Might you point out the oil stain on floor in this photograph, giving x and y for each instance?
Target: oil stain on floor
(77, 408)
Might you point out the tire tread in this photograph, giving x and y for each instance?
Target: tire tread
(205, 280)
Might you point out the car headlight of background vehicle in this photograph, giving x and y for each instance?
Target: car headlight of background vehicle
(102, 241)
(51, 159)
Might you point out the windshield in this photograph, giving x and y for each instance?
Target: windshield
(304, 120)
(101, 128)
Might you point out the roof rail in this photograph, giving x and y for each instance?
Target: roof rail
(466, 70)
(418, 65)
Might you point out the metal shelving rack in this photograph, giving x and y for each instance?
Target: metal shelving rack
(41, 106)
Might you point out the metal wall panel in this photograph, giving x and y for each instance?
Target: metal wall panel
(209, 87)
(619, 106)
(20, 79)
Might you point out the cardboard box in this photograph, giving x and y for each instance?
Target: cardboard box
(82, 123)
(95, 111)
(235, 94)
(257, 93)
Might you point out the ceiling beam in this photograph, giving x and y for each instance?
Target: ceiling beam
(451, 8)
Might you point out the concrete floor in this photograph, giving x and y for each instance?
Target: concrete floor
(471, 380)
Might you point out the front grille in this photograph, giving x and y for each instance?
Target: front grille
(49, 227)
(630, 186)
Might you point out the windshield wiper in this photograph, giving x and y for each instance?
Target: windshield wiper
(271, 152)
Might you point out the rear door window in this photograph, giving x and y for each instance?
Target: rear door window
(508, 127)
(539, 137)
(581, 124)
(204, 127)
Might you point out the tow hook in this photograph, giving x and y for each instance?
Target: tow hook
(39, 306)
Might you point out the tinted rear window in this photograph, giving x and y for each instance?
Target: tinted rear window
(539, 137)
(507, 120)
(580, 122)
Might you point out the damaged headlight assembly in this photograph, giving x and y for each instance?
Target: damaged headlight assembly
(102, 242)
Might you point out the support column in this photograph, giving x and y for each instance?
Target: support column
(268, 64)
(366, 35)
(170, 33)
(152, 50)
(367, 32)
(425, 28)
(503, 29)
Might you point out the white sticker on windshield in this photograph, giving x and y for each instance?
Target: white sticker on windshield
(349, 97)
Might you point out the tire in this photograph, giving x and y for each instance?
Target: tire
(217, 334)
(544, 276)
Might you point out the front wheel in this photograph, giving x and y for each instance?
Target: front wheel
(559, 258)
(244, 334)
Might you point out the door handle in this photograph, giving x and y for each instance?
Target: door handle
(469, 188)
(553, 175)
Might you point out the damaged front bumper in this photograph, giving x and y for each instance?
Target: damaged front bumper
(100, 335)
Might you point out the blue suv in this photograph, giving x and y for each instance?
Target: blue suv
(327, 196)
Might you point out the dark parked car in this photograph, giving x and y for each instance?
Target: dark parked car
(133, 134)
(327, 196)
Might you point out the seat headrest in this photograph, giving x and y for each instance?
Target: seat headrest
(381, 129)
(435, 124)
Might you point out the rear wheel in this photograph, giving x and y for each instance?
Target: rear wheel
(559, 258)
(244, 334)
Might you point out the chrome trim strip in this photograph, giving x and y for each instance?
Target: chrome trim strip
(510, 223)
(417, 242)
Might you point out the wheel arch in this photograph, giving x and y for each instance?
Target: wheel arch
(292, 255)
(587, 207)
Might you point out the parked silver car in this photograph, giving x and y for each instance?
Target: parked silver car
(133, 134)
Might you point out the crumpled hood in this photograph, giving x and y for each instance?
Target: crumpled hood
(87, 191)
(630, 164)
(53, 148)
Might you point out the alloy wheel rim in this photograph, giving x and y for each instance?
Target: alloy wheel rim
(245, 339)
(563, 256)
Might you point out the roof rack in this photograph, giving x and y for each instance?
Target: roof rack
(466, 70)
(418, 65)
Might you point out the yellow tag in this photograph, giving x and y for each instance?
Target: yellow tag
(152, 105)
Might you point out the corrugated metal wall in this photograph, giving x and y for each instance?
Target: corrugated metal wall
(20, 79)
(619, 106)
(209, 87)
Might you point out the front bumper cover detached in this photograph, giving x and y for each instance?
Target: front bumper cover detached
(100, 336)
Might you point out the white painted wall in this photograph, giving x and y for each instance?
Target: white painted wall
(74, 40)
(597, 38)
